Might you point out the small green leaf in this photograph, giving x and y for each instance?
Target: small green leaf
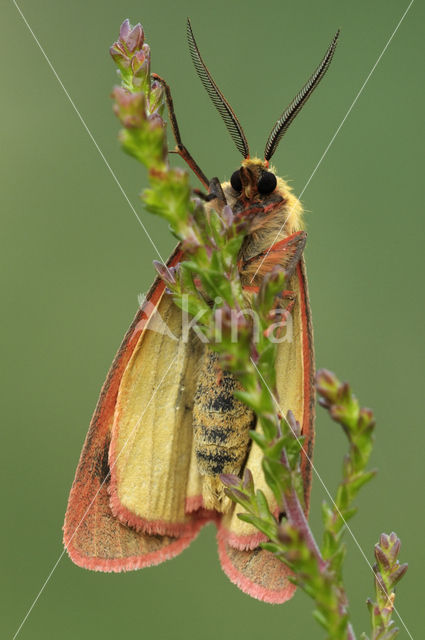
(262, 504)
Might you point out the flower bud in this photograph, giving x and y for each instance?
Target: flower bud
(156, 97)
(125, 30)
(248, 480)
(165, 273)
(227, 215)
(293, 423)
(134, 39)
(119, 56)
(230, 480)
(129, 107)
(191, 241)
(138, 61)
(327, 385)
(155, 121)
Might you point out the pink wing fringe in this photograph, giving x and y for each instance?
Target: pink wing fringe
(240, 556)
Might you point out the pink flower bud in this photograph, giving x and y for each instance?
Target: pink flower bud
(119, 55)
(230, 480)
(125, 30)
(135, 38)
(165, 273)
(227, 215)
(137, 61)
(129, 107)
(156, 98)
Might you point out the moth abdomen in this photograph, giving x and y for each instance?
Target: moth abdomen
(216, 460)
(221, 425)
(214, 435)
(223, 401)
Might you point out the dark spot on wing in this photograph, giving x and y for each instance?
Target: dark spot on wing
(101, 465)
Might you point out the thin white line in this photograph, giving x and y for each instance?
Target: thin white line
(156, 250)
(91, 503)
(83, 122)
(39, 594)
(326, 489)
(153, 244)
(336, 132)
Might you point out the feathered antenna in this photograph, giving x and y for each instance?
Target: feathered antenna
(299, 101)
(219, 101)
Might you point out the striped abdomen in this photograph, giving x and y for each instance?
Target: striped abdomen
(221, 425)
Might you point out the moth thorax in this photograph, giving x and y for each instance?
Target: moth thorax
(221, 425)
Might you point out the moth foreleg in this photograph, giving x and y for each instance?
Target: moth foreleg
(215, 192)
(180, 148)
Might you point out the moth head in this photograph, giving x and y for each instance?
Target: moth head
(255, 186)
(253, 181)
(256, 190)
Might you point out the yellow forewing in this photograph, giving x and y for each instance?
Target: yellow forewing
(155, 483)
(152, 432)
(290, 385)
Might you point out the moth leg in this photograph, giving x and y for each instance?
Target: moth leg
(215, 195)
(206, 197)
(285, 253)
(214, 192)
(180, 148)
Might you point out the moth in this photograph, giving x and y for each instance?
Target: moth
(167, 423)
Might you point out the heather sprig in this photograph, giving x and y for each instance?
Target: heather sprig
(388, 571)
(358, 425)
(207, 284)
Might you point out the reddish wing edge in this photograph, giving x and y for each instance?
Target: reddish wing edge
(309, 388)
(256, 572)
(93, 537)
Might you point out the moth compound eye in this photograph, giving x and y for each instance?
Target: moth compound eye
(236, 181)
(267, 183)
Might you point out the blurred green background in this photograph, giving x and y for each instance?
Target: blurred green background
(74, 259)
